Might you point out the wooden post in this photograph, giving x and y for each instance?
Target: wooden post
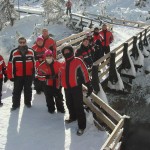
(140, 42)
(95, 79)
(90, 26)
(135, 53)
(125, 133)
(145, 42)
(125, 59)
(112, 69)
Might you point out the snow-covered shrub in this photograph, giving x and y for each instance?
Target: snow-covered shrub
(54, 10)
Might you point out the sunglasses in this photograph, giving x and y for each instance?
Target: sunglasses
(22, 42)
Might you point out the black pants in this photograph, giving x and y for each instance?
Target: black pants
(68, 10)
(106, 49)
(39, 85)
(74, 102)
(50, 94)
(1, 84)
(21, 83)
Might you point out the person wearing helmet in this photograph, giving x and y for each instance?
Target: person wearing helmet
(49, 71)
(73, 74)
(39, 53)
(89, 36)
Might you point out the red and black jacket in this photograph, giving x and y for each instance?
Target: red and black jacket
(108, 37)
(86, 54)
(2, 68)
(73, 73)
(39, 54)
(49, 73)
(21, 65)
(49, 43)
(68, 4)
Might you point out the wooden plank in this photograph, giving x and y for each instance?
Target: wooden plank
(104, 73)
(101, 59)
(113, 134)
(104, 63)
(73, 37)
(106, 107)
(117, 139)
(99, 114)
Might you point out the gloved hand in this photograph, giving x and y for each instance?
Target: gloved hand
(90, 89)
(5, 79)
(12, 79)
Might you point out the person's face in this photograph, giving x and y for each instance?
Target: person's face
(45, 33)
(39, 43)
(104, 27)
(22, 43)
(97, 31)
(86, 43)
(66, 51)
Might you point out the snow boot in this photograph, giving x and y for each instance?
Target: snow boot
(67, 121)
(80, 132)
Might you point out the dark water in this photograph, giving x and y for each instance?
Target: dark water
(135, 105)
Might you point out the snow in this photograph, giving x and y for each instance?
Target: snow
(35, 128)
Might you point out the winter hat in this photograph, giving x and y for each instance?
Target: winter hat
(48, 52)
(39, 38)
(88, 34)
(69, 47)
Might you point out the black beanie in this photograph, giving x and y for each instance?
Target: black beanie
(70, 48)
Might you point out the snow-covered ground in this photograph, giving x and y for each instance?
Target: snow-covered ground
(35, 128)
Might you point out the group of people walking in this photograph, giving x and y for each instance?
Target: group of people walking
(40, 64)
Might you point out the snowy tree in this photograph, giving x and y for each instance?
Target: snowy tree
(7, 13)
(140, 3)
(54, 9)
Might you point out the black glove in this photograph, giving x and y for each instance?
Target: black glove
(90, 89)
(5, 79)
(12, 79)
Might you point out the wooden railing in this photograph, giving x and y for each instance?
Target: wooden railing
(117, 21)
(113, 121)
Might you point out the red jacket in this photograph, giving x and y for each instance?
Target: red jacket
(19, 65)
(2, 67)
(49, 73)
(73, 73)
(108, 37)
(68, 4)
(39, 53)
(97, 37)
(86, 54)
(49, 43)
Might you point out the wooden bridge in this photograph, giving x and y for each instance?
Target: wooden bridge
(113, 121)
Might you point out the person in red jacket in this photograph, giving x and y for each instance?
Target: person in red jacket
(49, 70)
(39, 53)
(68, 6)
(86, 53)
(2, 73)
(49, 43)
(20, 70)
(108, 38)
(73, 74)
